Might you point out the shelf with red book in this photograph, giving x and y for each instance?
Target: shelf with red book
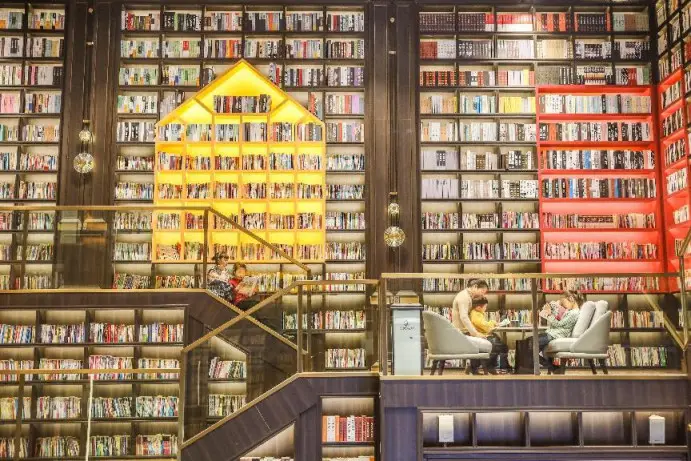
(673, 120)
(348, 427)
(620, 231)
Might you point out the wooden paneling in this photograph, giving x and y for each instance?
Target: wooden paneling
(377, 127)
(73, 98)
(542, 393)
(404, 137)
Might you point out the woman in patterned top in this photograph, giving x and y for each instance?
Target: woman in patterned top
(219, 277)
(561, 316)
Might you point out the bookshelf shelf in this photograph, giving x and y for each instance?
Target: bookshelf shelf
(291, 71)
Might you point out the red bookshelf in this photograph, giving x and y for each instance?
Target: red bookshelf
(571, 174)
(674, 164)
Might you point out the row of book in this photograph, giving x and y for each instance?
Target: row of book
(672, 122)
(227, 369)
(237, 21)
(596, 159)
(596, 104)
(327, 320)
(480, 251)
(28, 161)
(449, 188)
(345, 358)
(454, 220)
(347, 429)
(448, 160)
(34, 103)
(618, 188)
(595, 221)
(596, 131)
(29, 190)
(595, 284)
(221, 405)
(600, 250)
(451, 131)
(344, 251)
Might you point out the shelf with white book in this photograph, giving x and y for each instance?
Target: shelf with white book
(315, 52)
(129, 412)
(32, 51)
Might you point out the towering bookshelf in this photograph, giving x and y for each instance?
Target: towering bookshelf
(133, 415)
(244, 147)
(599, 204)
(479, 67)
(32, 49)
(315, 53)
(673, 21)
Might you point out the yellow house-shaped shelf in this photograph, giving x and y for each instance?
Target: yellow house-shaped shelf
(256, 155)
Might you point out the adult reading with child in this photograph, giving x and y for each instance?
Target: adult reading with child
(218, 277)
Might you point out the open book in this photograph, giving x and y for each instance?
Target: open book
(248, 286)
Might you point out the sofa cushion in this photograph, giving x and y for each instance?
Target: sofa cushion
(482, 344)
(560, 345)
(584, 318)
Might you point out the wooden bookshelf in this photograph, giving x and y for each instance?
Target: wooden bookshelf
(32, 52)
(309, 74)
(131, 406)
(673, 26)
(571, 170)
(359, 436)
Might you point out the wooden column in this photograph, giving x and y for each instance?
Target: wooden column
(377, 128)
(404, 137)
(73, 97)
(91, 56)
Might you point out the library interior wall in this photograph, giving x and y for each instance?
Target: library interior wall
(392, 38)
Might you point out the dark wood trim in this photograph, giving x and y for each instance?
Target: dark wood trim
(501, 394)
(377, 127)
(73, 98)
(405, 136)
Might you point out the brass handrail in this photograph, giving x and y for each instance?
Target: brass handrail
(266, 301)
(527, 275)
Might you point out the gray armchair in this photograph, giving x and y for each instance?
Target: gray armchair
(589, 340)
(445, 342)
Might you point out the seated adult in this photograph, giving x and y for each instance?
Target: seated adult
(460, 313)
(485, 327)
(218, 277)
(561, 316)
(243, 292)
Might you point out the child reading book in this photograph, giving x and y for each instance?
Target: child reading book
(244, 287)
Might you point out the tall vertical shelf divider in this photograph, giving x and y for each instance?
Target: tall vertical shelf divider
(32, 49)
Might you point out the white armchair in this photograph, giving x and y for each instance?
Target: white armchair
(445, 342)
(589, 340)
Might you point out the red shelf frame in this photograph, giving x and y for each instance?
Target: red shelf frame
(603, 206)
(675, 200)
